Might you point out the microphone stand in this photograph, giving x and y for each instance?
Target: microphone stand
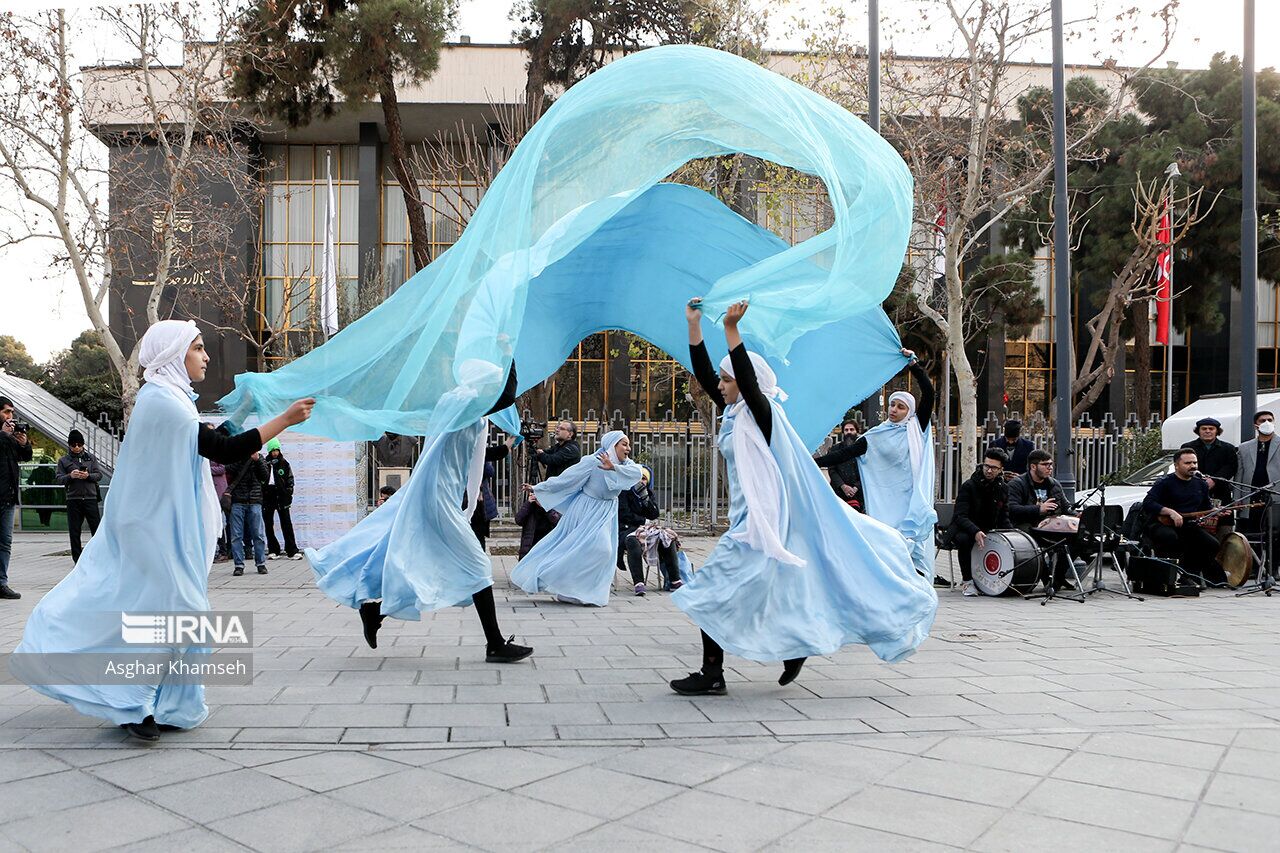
(1265, 582)
(1098, 584)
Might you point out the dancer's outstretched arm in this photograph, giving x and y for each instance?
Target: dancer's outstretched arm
(508, 395)
(744, 373)
(703, 370)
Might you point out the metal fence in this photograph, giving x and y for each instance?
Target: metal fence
(689, 477)
(42, 502)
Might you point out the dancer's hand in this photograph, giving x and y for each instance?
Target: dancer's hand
(299, 410)
(693, 311)
(527, 488)
(605, 462)
(735, 312)
(910, 354)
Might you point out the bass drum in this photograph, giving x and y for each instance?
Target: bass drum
(1009, 564)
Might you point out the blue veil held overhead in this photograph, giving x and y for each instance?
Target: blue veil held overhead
(898, 477)
(151, 553)
(576, 233)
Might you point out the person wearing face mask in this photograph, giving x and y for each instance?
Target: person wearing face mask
(895, 460)
(153, 550)
(798, 573)
(575, 562)
(1258, 464)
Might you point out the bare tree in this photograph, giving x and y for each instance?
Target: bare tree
(956, 122)
(163, 242)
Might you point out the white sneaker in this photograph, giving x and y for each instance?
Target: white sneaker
(273, 556)
(967, 588)
(297, 556)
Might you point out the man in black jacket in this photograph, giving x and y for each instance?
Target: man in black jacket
(846, 482)
(14, 448)
(564, 453)
(277, 498)
(1217, 458)
(636, 506)
(1036, 495)
(982, 505)
(245, 481)
(1165, 504)
(78, 472)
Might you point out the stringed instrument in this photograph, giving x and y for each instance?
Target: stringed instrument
(1217, 514)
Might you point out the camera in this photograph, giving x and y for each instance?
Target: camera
(532, 430)
(21, 426)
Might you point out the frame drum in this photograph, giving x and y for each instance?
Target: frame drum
(1009, 564)
(1236, 558)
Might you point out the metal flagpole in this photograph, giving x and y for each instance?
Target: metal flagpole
(1249, 238)
(1172, 172)
(871, 406)
(1063, 363)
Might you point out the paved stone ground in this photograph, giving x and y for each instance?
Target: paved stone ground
(1111, 725)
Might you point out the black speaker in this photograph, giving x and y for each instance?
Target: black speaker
(1152, 576)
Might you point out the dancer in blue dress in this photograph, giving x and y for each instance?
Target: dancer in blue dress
(416, 552)
(798, 573)
(575, 562)
(155, 546)
(895, 460)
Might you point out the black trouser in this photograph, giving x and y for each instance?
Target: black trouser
(80, 510)
(964, 542)
(269, 511)
(1199, 548)
(483, 600)
(629, 547)
(713, 656)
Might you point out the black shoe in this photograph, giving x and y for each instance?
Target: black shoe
(371, 617)
(508, 652)
(700, 684)
(8, 592)
(165, 727)
(939, 580)
(146, 730)
(238, 572)
(790, 669)
(262, 570)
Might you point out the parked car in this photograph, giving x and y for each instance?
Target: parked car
(1131, 492)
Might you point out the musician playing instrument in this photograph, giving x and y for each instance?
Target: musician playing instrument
(1035, 496)
(981, 506)
(1172, 496)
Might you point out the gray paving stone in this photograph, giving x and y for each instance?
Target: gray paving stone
(511, 823)
(1165, 780)
(1129, 811)
(944, 821)
(672, 764)
(504, 769)
(52, 792)
(1149, 747)
(1000, 754)
(94, 826)
(491, 714)
(222, 795)
(783, 787)
(411, 794)
(403, 838)
(310, 823)
(830, 836)
(616, 836)
(555, 713)
(25, 763)
(721, 823)
(193, 840)
(326, 771)
(510, 735)
(161, 767)
(603, 793)
(1019, 832)
(366, 715)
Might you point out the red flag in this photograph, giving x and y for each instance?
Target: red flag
(1164, 279)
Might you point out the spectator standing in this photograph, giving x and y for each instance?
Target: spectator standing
(486, 509)
(1217, 458)
(79, 473)
(14, 448)
(844, 476)
(564, 452)
(277, 498)
(1017, 448)
(246, 481)
(982, 505)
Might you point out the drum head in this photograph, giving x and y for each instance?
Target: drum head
(1008, 564)
(1236, 558)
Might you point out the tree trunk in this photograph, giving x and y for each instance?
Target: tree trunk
(419, 235)
(1141, 361)
(966, 379)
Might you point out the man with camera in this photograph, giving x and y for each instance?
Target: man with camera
(562, 455)
(78, 472)
(14, 448)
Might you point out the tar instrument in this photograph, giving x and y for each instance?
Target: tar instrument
(1215, 516)
(1236, 558)
(1009, 563)
(1060, 524)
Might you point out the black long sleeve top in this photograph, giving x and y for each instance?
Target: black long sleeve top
(227, 449)
(508, 395)
(1179, 495)
(744, 374)
(842, 453)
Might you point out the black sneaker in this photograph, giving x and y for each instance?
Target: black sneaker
(146, 730)
(508, 652)
(8, 592)
(262, 570)
(940, 581)
(371, 617)
(165, 727)
(790, 669)
(239, 571)
(700, 684)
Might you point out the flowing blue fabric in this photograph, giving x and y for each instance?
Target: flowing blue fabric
(577, 234)
(857, 584)
(417, 551)
(577, 559)
(894, 494)
(152, 552)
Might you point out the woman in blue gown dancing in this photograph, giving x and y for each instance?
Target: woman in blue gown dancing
(417, 553)
(575, 562)
(798, 573)
(155, 546)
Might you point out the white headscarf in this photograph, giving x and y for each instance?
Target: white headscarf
(163, 355)
(760, 477)
(608, 442)
(915, 435)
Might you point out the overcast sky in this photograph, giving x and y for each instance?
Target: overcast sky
(47, 314)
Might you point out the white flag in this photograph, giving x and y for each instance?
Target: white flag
(329, 260)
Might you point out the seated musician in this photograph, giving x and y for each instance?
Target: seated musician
(981, 506)
(1035, 496)
(1170, 499)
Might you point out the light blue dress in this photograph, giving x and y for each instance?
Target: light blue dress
(577, 559)
(857, 584)
(416, 552)
(897, 496)
(152, 552)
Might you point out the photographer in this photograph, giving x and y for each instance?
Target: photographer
(78, 472)
(562, 455)
(14, 448)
